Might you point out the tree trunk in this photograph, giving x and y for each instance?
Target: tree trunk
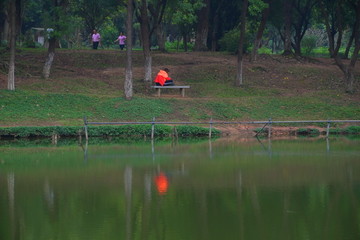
(214, 31)
(348, 71)
(145, 36)
(11, 74)
(5, 28)
(128, 83)
(287, 34)
(202, 29)
(49, 58)
(350, 42)
(265, 15)
(160, 35)
(185, 42)
(239, 77)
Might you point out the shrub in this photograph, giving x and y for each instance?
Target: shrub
(230, 41)
(308, 131)
(195, 131)
(308, 44)
(352, 130)
(97, 131)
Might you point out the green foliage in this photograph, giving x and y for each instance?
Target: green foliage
(353, 130)
(185, 14)
(103, 131)
(128, 130)
(308, 131)
(178, 45)
(39, 131)
(230, 41)
(109, 33)
(308, 44)
(264, 50)
(256, 7)
(195, 131)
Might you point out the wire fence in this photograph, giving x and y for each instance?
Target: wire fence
(211, 123)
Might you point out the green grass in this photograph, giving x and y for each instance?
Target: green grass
(29, 106)
(69, 96)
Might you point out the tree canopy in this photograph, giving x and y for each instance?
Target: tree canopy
(291, 27)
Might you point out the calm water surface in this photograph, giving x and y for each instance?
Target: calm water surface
(186, 190)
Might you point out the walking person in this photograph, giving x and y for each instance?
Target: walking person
(121, 39)
(95, 39)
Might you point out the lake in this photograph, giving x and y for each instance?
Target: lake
(305, 188)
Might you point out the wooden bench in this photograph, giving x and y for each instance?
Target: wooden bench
(182, 89)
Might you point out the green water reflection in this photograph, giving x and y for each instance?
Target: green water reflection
(224, 189)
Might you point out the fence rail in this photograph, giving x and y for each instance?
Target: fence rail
(211, 123)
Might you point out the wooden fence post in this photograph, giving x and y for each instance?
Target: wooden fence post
(269, 132)
(328, 129)
(86, 129)
(153, 128)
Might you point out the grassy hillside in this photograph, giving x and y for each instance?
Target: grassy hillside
(90, 83)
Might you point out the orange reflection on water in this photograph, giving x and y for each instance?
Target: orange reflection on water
(162, 183)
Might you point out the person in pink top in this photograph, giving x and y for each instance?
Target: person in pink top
(121, 39)
(95, 39)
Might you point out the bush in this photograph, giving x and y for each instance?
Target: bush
(100, 131)
(230, 41)
(178, 45)
(308, 44)
(352, 130)
(195, 131)
(308, 131)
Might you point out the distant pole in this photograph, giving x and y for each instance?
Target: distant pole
(152, 128)
(86, 129)
(210, 129)
(269, 132)
(328, 129)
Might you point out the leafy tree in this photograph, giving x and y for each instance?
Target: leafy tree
(55, 18)
(202, 28)
(95, 12)
(256, 8)
(342, 8)
(239, 76)
(128, 83)
(185, 17)
(149, 14)
(301, 21)
(13, 31)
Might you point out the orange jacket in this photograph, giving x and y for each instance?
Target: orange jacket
(161, 77)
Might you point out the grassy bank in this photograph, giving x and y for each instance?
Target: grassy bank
(90, 83)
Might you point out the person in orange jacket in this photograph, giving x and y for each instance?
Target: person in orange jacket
(163, 79)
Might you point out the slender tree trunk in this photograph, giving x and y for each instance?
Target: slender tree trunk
(49, 58)
(215, 30)
(265, 15)
(348, 70)
(185, 37)
(202, 29)
(349, 75)
(287, 34)
(239, 77)
(160, 35)
(297, 45)
(347, 51)
(5, 28)
(11, 74)
(128, 84)
(145, 36)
